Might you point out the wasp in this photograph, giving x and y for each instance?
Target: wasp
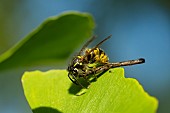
(93, 61)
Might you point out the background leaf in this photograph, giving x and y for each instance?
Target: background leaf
(53, 92)
(52, 42)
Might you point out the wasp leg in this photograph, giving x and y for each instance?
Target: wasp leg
(75, 81)
(94, 73)
(86, 79)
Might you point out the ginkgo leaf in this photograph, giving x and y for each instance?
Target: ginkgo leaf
(52, 42)
(53, 92)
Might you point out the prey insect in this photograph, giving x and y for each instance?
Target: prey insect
(93, 61)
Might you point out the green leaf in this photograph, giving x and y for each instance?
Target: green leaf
(53, 92)
(52, 42)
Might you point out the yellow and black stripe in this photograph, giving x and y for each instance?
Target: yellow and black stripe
(96, 56)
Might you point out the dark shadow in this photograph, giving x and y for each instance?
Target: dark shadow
(98, 75)
(75, 89)
(45, 110)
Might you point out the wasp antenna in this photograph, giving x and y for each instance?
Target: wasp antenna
(103, 41)
(99, 44)
(86, 44)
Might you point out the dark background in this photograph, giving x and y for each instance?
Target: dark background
(139, 29)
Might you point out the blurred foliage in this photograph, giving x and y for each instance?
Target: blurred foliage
(51, 43)
(165, 3)
(6, 33)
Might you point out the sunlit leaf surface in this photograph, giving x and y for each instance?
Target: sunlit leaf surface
(53, 92)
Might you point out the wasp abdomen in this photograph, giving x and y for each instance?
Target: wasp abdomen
(96, 56)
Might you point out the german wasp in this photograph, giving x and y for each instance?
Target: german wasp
(94, 60)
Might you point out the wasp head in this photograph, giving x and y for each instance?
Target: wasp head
(74, 69)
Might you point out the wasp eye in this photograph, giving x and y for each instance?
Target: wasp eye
(75, 70)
